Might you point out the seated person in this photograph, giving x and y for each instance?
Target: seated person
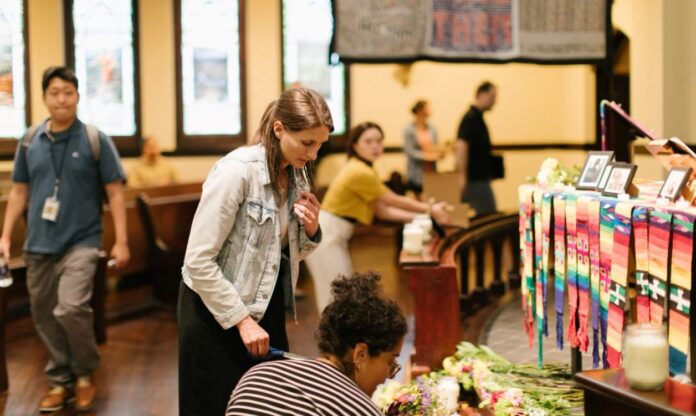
(152, 169)
(360, 336)
(356, 195)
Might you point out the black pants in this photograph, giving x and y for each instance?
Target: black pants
(211, 359)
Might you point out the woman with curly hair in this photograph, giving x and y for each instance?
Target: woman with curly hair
(360, 336)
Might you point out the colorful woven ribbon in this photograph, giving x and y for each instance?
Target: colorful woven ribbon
(606, 237)
(619, 278)
(583, 274)
(680, 290)
(594, 249)
(539, 272)
(527, 243)
(559, 240)
(572, 265)
(642, 248)
(659, 240)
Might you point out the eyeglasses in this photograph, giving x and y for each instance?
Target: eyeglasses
(394, 369)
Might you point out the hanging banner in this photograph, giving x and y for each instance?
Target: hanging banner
(559, 31)
(559, 280)
(606, 232)
(680, 291)
(619, 279)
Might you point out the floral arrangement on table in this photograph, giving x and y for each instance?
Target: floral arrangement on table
(418, 398)
(553, 174)
(504, 388)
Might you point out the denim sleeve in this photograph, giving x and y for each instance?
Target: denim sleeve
(308, 245)
(20, 172)
(110, 168)
(223, 194)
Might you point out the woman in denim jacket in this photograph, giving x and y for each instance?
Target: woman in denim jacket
(251, 229)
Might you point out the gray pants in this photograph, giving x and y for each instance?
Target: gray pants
(479, 195)
(60, 288)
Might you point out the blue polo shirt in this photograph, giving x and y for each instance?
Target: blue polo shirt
(79, 216)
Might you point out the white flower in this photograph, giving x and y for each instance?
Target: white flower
(542, 178)
(549, 164)
(386, 393)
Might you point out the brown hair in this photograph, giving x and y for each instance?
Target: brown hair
(298, 109)
(418, 106)
(354, 135)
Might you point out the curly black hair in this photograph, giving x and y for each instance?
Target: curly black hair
(359, 313)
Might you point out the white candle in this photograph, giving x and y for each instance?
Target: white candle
(646, 356)
(448, 394)
(413, 239)
(426, 224)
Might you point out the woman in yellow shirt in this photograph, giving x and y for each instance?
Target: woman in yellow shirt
(356, 195)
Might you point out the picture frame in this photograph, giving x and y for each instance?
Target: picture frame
(673, 186)
(620, 178)
(605, 176)
(592, 171)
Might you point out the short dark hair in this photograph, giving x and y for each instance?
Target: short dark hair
(418, 106)
(359, 313)
(485, 86)
(62, 72)
(355, 133)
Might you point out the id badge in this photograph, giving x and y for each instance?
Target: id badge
(50, 209)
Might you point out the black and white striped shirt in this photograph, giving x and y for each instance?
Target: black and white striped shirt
(298, 387)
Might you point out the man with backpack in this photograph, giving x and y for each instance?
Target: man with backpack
(61, 169)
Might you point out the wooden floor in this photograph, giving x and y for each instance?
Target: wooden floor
(138, 371)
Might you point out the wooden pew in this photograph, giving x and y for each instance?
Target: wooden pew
(166, 222)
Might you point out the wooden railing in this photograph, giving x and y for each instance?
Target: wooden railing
(440, 299)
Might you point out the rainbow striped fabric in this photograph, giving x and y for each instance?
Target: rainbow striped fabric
(559, 239)
(593, 222)
(527, 243)
(619, 278)
(572, 268)
(583, 273)
(680, 290)
(642, 248)
(659, 242)
(606, 254)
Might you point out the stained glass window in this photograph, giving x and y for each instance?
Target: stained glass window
(307, 29)
(13, 100)
(211, 96)
(104, 60)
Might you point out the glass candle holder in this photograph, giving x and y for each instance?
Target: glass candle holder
(413, 239)
(646, 356)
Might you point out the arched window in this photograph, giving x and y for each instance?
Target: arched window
(209, 71)
(307, 29)
(14, 89)
(101, 45)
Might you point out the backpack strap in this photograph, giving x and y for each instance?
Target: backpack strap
(29, 134)
(94, 142)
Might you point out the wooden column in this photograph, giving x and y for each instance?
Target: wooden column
(436, 313)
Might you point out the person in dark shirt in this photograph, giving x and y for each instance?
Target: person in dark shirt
(474, 153)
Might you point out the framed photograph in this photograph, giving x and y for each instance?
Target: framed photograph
(605, 176)
(592, 171)
(619, 179)
(674, 184)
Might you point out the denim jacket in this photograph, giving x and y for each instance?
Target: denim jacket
(234, 251)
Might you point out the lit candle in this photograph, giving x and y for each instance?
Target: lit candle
(646, 356)
(413, 238)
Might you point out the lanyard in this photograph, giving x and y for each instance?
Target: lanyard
(56, 169)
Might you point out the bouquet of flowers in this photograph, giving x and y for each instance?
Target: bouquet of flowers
(552, 173)
(417, 398)
(514, 389)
